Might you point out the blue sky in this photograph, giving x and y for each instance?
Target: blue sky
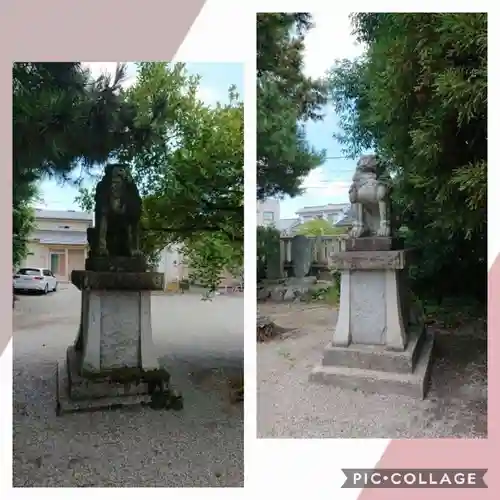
(330, 182)
(328, 41)
(216, 78)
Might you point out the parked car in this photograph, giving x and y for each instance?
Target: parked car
(36, 279)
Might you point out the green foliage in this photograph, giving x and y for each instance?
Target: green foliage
(329, 295)
(208, 255)
(319, 227)
(453, 313)
(418, 97)
(191, 176)
(187, 158)
(23, 219)
(286, 98)
(268, 249)
(64, 119)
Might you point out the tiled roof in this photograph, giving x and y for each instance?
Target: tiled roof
(323, 208)
(60, 237)
(63, 214)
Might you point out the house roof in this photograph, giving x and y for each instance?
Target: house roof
(60, 237)
(348, 218)
(63, 215)
(333, 207)
(286, 224)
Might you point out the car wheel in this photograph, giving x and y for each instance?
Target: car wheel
(55, 288)
(46, 289)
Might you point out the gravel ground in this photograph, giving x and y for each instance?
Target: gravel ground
(289, 406)
(201, 446)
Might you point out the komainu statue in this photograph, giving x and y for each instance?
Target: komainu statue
(118, 207)
(370, 197)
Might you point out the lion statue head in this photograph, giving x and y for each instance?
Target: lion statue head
(368, 164)
(118, 179)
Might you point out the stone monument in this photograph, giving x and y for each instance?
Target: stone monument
(113, 360)
(301, 255)
(380, 343)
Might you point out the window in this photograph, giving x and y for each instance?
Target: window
(29, 272)
(46, 272)
(268, 216)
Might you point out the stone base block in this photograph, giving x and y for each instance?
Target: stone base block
(377, 357)
(77, 393)
(413, 384)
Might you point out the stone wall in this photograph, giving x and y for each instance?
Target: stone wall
(302, 256)
(305, 265)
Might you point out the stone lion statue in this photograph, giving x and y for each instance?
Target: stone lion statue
(370, 197)
(118, 208)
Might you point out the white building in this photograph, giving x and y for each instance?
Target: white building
(339, 214)
(268, 212)
(333, 212)
(175, 269)
(58, 241)
(171, 265)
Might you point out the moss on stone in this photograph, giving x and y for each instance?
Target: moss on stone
(162, 396)
(129, 375)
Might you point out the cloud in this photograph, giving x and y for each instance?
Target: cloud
(316, 184)
(329, 40)
(209, 95)
(319, 189)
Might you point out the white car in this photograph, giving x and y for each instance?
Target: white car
(36, 279)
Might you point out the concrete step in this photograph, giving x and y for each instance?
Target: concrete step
(413, 384)
(378, 358)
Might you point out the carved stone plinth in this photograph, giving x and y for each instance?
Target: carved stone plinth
(373, 243)
(116, 264)
(377, 345)
(116, 330)
(105, 280)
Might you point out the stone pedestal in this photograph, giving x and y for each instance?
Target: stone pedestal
(116, 331)
(377, 346)
(113, 360)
